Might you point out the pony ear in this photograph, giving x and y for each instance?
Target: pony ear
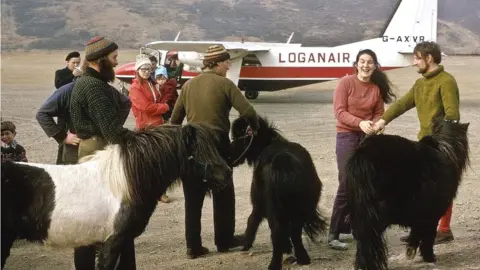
(188, 136)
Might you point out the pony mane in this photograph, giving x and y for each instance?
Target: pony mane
(452, 140)
(154, 158)
(267, 133)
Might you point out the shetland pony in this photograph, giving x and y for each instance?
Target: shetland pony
(285, 189)
(107, 200)
(395, 181)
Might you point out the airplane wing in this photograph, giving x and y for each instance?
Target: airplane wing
(237, 51)
(202, 46)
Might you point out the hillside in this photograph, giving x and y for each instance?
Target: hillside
(61, 24)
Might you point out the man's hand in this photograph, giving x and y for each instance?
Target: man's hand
(72, 139)
(379, 126)
(77, 72)
(367, 127)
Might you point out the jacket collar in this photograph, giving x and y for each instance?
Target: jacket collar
(93, 73)
(12, 145)
(433, 73)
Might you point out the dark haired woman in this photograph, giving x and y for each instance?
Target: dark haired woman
(358, 102)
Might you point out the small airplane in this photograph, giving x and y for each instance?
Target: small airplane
(266, 66)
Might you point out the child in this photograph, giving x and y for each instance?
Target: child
(11, 150)
(167, 88)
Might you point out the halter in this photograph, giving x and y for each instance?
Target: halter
(248, 133)
(450, 121)
(205, 167)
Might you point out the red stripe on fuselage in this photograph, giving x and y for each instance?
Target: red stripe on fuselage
(250, 72)
(297, 72)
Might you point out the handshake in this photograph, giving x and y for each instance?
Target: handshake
(371, 128)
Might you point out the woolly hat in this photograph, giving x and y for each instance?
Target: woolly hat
(161, 70)
(215, 54)
(72, 55)
(98, 47)
(142, 60)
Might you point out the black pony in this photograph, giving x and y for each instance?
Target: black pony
(106, 201)
(285, 189)
(395, 181)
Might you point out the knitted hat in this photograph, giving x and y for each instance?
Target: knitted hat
(142, 60)
(161, 70)
(8, 126)
(72, 55)
(215, 54)
(98, 47)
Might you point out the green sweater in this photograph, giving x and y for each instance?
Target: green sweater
(208, 98)
(434, 95)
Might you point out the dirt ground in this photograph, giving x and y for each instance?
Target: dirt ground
(304, 115)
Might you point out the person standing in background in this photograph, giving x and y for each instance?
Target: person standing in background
(66, 75)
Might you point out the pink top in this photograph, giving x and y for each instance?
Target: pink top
(355, 101)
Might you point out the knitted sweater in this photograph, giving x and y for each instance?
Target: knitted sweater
(14, 152)
(208, 98)
(94, 108)
(434, 95)
(355, 101)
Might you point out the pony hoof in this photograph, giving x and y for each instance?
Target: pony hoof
(410, 253)
(290, 260)
(302, 258)
(274, 266)
(246, 248)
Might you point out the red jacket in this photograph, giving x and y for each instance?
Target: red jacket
(169, 92)
(146, 111)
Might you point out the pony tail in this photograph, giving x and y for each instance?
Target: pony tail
(314, 225)
(381, 79)
(279, 188)
(287, 191)
(366, 213)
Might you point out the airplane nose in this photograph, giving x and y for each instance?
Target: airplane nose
(125, 72)
(125, 69)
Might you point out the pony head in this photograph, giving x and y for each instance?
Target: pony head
(205, 160)
(154, 158)
(441, 125)
(247, 147)
(451, 137)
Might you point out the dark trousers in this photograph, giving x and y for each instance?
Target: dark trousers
(223, 208)
(60, 154)
(346, 143)
(67, 154)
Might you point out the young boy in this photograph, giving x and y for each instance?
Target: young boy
(11, 150)
(167, 88)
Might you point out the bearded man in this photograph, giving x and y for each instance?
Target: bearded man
(97, 112)
(95, 106)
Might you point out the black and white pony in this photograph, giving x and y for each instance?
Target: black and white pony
(395, 181)
(285, 189)
(107, 200)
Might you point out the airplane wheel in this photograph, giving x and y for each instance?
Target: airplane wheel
(251, 94)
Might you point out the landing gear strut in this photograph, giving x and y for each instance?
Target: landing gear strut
(251, 94)
(123, 88)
